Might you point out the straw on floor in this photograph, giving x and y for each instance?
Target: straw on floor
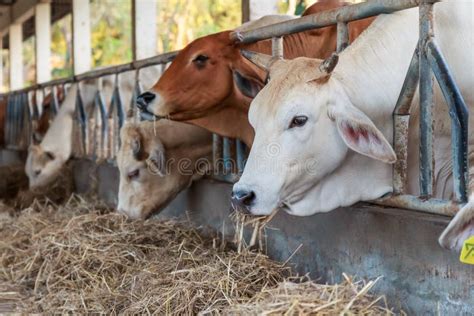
(80, 257)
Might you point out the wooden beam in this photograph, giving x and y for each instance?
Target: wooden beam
(144, 28)
(81, 36)
(16, 56)
(43, 42)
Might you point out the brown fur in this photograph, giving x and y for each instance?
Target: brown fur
(208, 96)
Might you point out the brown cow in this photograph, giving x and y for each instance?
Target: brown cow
(210, 84)
(45, 119)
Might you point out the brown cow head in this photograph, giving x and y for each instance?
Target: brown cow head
(208, 75)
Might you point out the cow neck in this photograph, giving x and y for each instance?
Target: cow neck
(373, 68)
(314, 44)
(228, 122)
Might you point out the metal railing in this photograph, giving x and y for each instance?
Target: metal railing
(426, 60)
(229, 155)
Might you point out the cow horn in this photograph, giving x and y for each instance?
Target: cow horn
(261, 60)
(329, 63)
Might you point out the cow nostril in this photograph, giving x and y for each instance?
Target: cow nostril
(244, 198)
(144, 99)
(37, 172)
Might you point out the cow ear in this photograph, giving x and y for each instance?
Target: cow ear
(157, 160)
(248, 86)
(360, 134)
(460, 228)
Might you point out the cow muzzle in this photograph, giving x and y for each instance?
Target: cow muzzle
(144, 104)
(242, 200)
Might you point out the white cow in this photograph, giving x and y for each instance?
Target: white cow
(45, 160)
(323, 134)
(157, 161)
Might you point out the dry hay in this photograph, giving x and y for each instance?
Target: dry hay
(79, 257)
(305, 297)
(56, 191)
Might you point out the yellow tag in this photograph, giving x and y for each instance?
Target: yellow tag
(467, 252)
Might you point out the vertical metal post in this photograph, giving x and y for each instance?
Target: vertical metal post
(426, 102)
(277, 47)
(459, 114)
(401, 120)
(241, 155)
(342, 36)
(54, 107)
(217, 153)
(227, 156)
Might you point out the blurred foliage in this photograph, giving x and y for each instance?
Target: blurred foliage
(181, 21)
(111, 32)
(178, 21)
(61, 48)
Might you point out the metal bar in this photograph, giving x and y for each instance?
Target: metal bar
(401, 120)
(426, 103)
(241, 155)
(217, 153)
(342, 36)
(277, 47)
(459, 114)
(81, 117)
(54, 106)
(325, 18)
(156, 60)
(8, 121)
(434, 206)
(227, 156)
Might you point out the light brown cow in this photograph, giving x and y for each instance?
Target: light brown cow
(211, 85)
(156, 162)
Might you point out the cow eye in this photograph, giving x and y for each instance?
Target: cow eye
(133, 175)
(298, 121)
(200, 60)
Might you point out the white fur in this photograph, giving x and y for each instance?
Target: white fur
(58, 138)
(367, 80)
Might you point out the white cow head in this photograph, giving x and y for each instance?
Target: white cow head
(42, 166)
(307, 129)
(158, 162)
(46, 159)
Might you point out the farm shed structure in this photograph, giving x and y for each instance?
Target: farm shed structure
(365, 239)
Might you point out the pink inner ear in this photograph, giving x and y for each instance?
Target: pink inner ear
(356, 134)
